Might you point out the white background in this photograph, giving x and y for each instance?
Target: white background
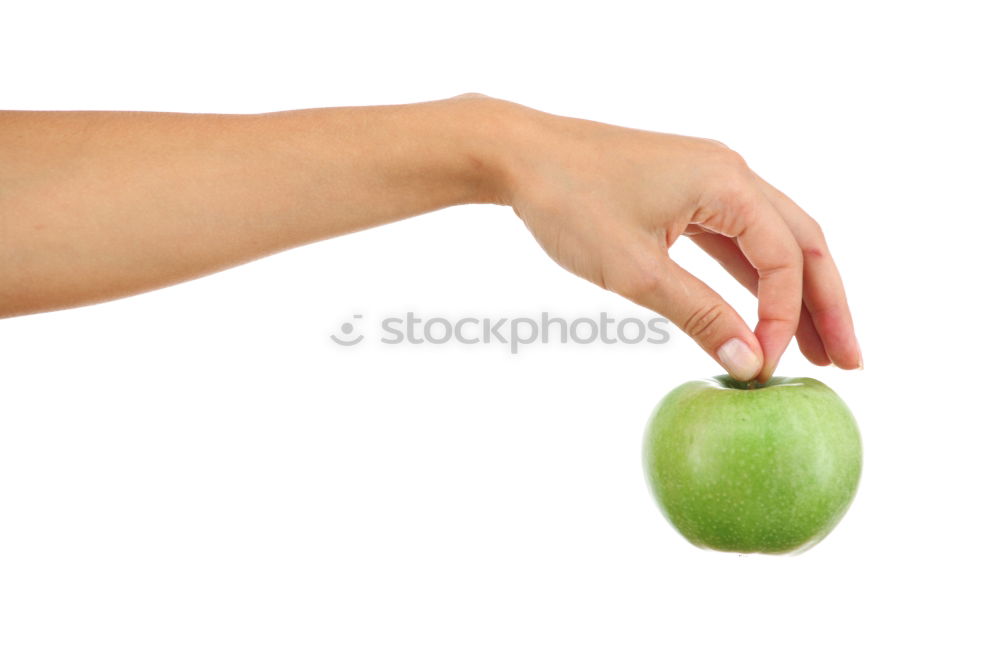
(199, 476)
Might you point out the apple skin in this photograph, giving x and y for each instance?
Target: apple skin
(770, 468)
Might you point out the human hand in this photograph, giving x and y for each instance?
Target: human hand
(607, 203)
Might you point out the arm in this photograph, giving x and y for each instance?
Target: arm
(99, 205)
(96, 206)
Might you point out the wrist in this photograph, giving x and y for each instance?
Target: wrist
(488, 128)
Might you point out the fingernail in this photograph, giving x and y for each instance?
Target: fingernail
(861, 361)
(738, 359)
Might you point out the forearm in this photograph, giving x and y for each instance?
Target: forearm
(97, 205)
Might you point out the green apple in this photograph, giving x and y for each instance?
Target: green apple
(753, 468)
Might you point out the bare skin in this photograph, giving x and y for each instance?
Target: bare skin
(100, 205)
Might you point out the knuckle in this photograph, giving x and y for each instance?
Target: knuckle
(817, 247)
(704, 321)
(733, 160)
(735, 205)
(718, 149)
(724, 158)
(739, 198)
(731, 183)
(813, 252)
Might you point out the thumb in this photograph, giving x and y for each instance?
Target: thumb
(703, 315)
